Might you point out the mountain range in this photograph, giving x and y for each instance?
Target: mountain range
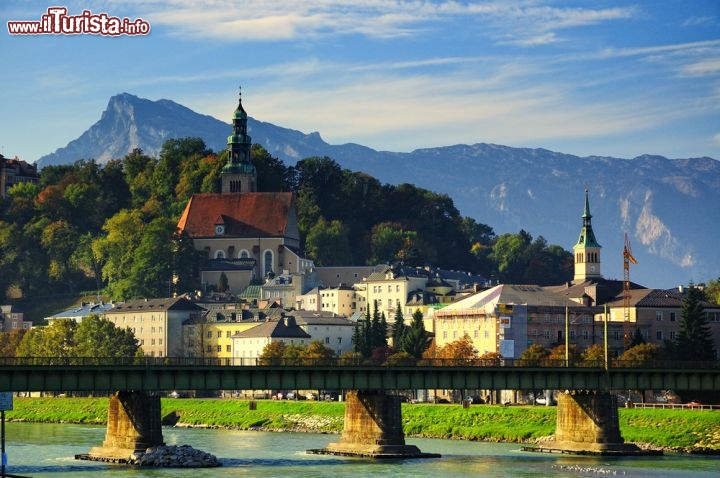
(668, 207)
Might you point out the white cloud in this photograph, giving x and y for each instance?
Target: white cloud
(527, 23)
(706, 67)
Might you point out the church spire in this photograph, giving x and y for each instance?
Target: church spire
(239, 174)
(587, 249)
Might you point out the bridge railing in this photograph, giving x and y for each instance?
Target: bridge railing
(335, 362)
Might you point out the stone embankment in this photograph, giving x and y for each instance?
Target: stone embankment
(174, 456)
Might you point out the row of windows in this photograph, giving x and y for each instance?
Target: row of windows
(377, 289)
(476, 334)
(153, 330)
(152, 342)
(591, 257)
(659, 316)
(135, 319)
(244, 254)
(228, 333)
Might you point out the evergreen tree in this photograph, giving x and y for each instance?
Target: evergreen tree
(382, 333)
(398, 327)
(637, 339)
(694, 340)
(378, 329)
(416, 339)
(364, 342)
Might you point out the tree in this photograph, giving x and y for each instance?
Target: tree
(416, 339)
(328, 243)
(57, 340)
(391, 242)
(694, 339)
(557, 354)
(398, 326)
(640, 355)
(97, 337)
(593, 355)
(460, 349)
(9, 342)
(318, 354)
(637, 338)
(378, 329)
(534, 355)
(223, 285)
(272, 353)
(712, 291)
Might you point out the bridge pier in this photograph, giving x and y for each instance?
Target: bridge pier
(587, 423)
(133, 425)
(373, 428)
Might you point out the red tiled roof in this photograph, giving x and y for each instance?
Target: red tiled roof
(243, 214)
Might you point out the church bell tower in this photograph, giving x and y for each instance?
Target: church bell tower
(239, 175)
(587, 249)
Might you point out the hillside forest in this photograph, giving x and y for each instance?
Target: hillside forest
(112, 228)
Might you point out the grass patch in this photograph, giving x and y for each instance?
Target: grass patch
(676, 429)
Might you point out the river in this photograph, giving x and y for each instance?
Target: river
(48, 450)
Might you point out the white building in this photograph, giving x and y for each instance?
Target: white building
(249, 344)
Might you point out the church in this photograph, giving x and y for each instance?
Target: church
(246, 235)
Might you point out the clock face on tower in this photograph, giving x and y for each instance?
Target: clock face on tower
(592, 268)
(219, 229)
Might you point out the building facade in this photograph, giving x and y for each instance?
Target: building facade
(156, 323)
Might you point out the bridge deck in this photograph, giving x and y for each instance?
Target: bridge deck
(78, 374)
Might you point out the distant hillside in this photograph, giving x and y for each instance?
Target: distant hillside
(668, 206)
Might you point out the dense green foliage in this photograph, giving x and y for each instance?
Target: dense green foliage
(280, 353)
(93, 337)
(112, 227)
(675, 429)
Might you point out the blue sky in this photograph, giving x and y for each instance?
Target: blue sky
(616, 78)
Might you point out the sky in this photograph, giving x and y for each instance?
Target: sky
(607, 78)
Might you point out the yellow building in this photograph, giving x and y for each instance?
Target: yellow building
(506, 319)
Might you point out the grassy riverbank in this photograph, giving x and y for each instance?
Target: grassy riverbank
(681, 430)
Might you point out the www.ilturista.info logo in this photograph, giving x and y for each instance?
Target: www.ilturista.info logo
(57, 22)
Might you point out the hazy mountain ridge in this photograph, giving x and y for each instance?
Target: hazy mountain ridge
(667, 206)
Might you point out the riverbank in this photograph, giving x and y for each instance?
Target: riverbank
(685, 431)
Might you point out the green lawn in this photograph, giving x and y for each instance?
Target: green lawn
(675, 429)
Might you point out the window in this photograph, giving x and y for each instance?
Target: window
(267, 262)
(228, 348)
(209, 334)
(586, 334)
(219, 348)
(658, 315)
(219, 333)
(227, 334)
(219, 254)
(672, 316)
(572, 334)
(209, 348)
(659, 335)
(673, 334)
(244, 254)
(327, 340)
